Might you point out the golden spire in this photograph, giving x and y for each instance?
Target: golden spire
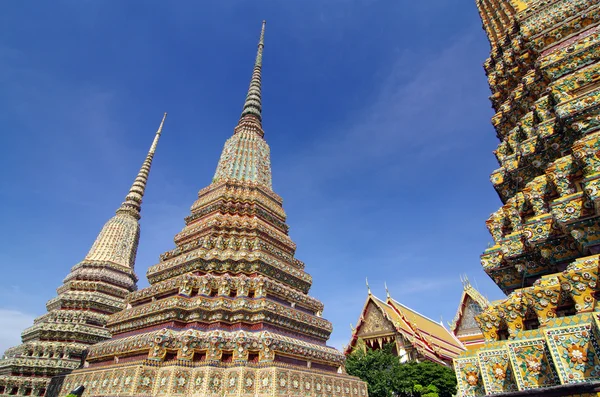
(245, 156)
(253, 104)
(133, 201)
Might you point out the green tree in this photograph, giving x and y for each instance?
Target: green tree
(387, 377)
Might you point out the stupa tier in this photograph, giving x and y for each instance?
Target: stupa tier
(227, 311)
(76, 318)
(545, 80)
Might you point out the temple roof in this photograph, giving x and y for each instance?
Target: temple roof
(430, 338)
(434, 333)
(468, 292)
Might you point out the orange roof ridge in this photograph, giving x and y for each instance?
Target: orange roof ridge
(444, 336)
(414, 311)
(414, 327)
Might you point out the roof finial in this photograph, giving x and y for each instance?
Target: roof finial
(253, 104)
(387, 292)
(465, 281)
(133, 201)
(368, 288)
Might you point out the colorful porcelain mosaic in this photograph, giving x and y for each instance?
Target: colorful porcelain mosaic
(544, 75)
(227, 310)
(496, 372)
(94, 289)
(532, 363)
(277, 380)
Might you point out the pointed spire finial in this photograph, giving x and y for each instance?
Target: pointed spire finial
(158, 132)
(368, 288)
(133, 201)
(387, 292)
(253, 103)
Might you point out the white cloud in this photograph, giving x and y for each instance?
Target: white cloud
(418, 111)
(12, 323)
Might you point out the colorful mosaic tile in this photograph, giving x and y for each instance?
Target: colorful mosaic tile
(181, 382)
(575, 352)
(227, 312)
(496, 371)
(532, 364)
(469, 377)
(543, 72)
(145, 381)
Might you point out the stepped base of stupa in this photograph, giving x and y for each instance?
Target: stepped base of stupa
(23, 385)
(176, 378)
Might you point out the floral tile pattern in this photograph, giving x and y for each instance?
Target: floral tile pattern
(497, 372)
(544, 75)
(532, 363)
(575, 351)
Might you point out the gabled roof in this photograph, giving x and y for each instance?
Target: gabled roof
(429, 338)
(468, 292)
(439, 339)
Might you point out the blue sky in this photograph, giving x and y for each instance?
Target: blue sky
(376, 112)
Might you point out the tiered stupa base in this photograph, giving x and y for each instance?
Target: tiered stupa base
(23, 385)
(562, 358)
(177, 378)
(192, 362)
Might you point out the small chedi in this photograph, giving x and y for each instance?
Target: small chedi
(543, 339)
(465, 326)
(227, 312)
(94, 289)
(414, 336)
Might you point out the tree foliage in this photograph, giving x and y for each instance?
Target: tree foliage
(387, 377)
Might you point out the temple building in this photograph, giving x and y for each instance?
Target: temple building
(465, 326)
(544, 74)
(227, 312)
(94, 289)
(414, 336)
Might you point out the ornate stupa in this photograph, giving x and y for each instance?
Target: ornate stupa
(94, 289)
(227, 312)
(543, 339)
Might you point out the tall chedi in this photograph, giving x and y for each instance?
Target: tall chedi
(227, 312)
(94, 289)
(544, 73)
